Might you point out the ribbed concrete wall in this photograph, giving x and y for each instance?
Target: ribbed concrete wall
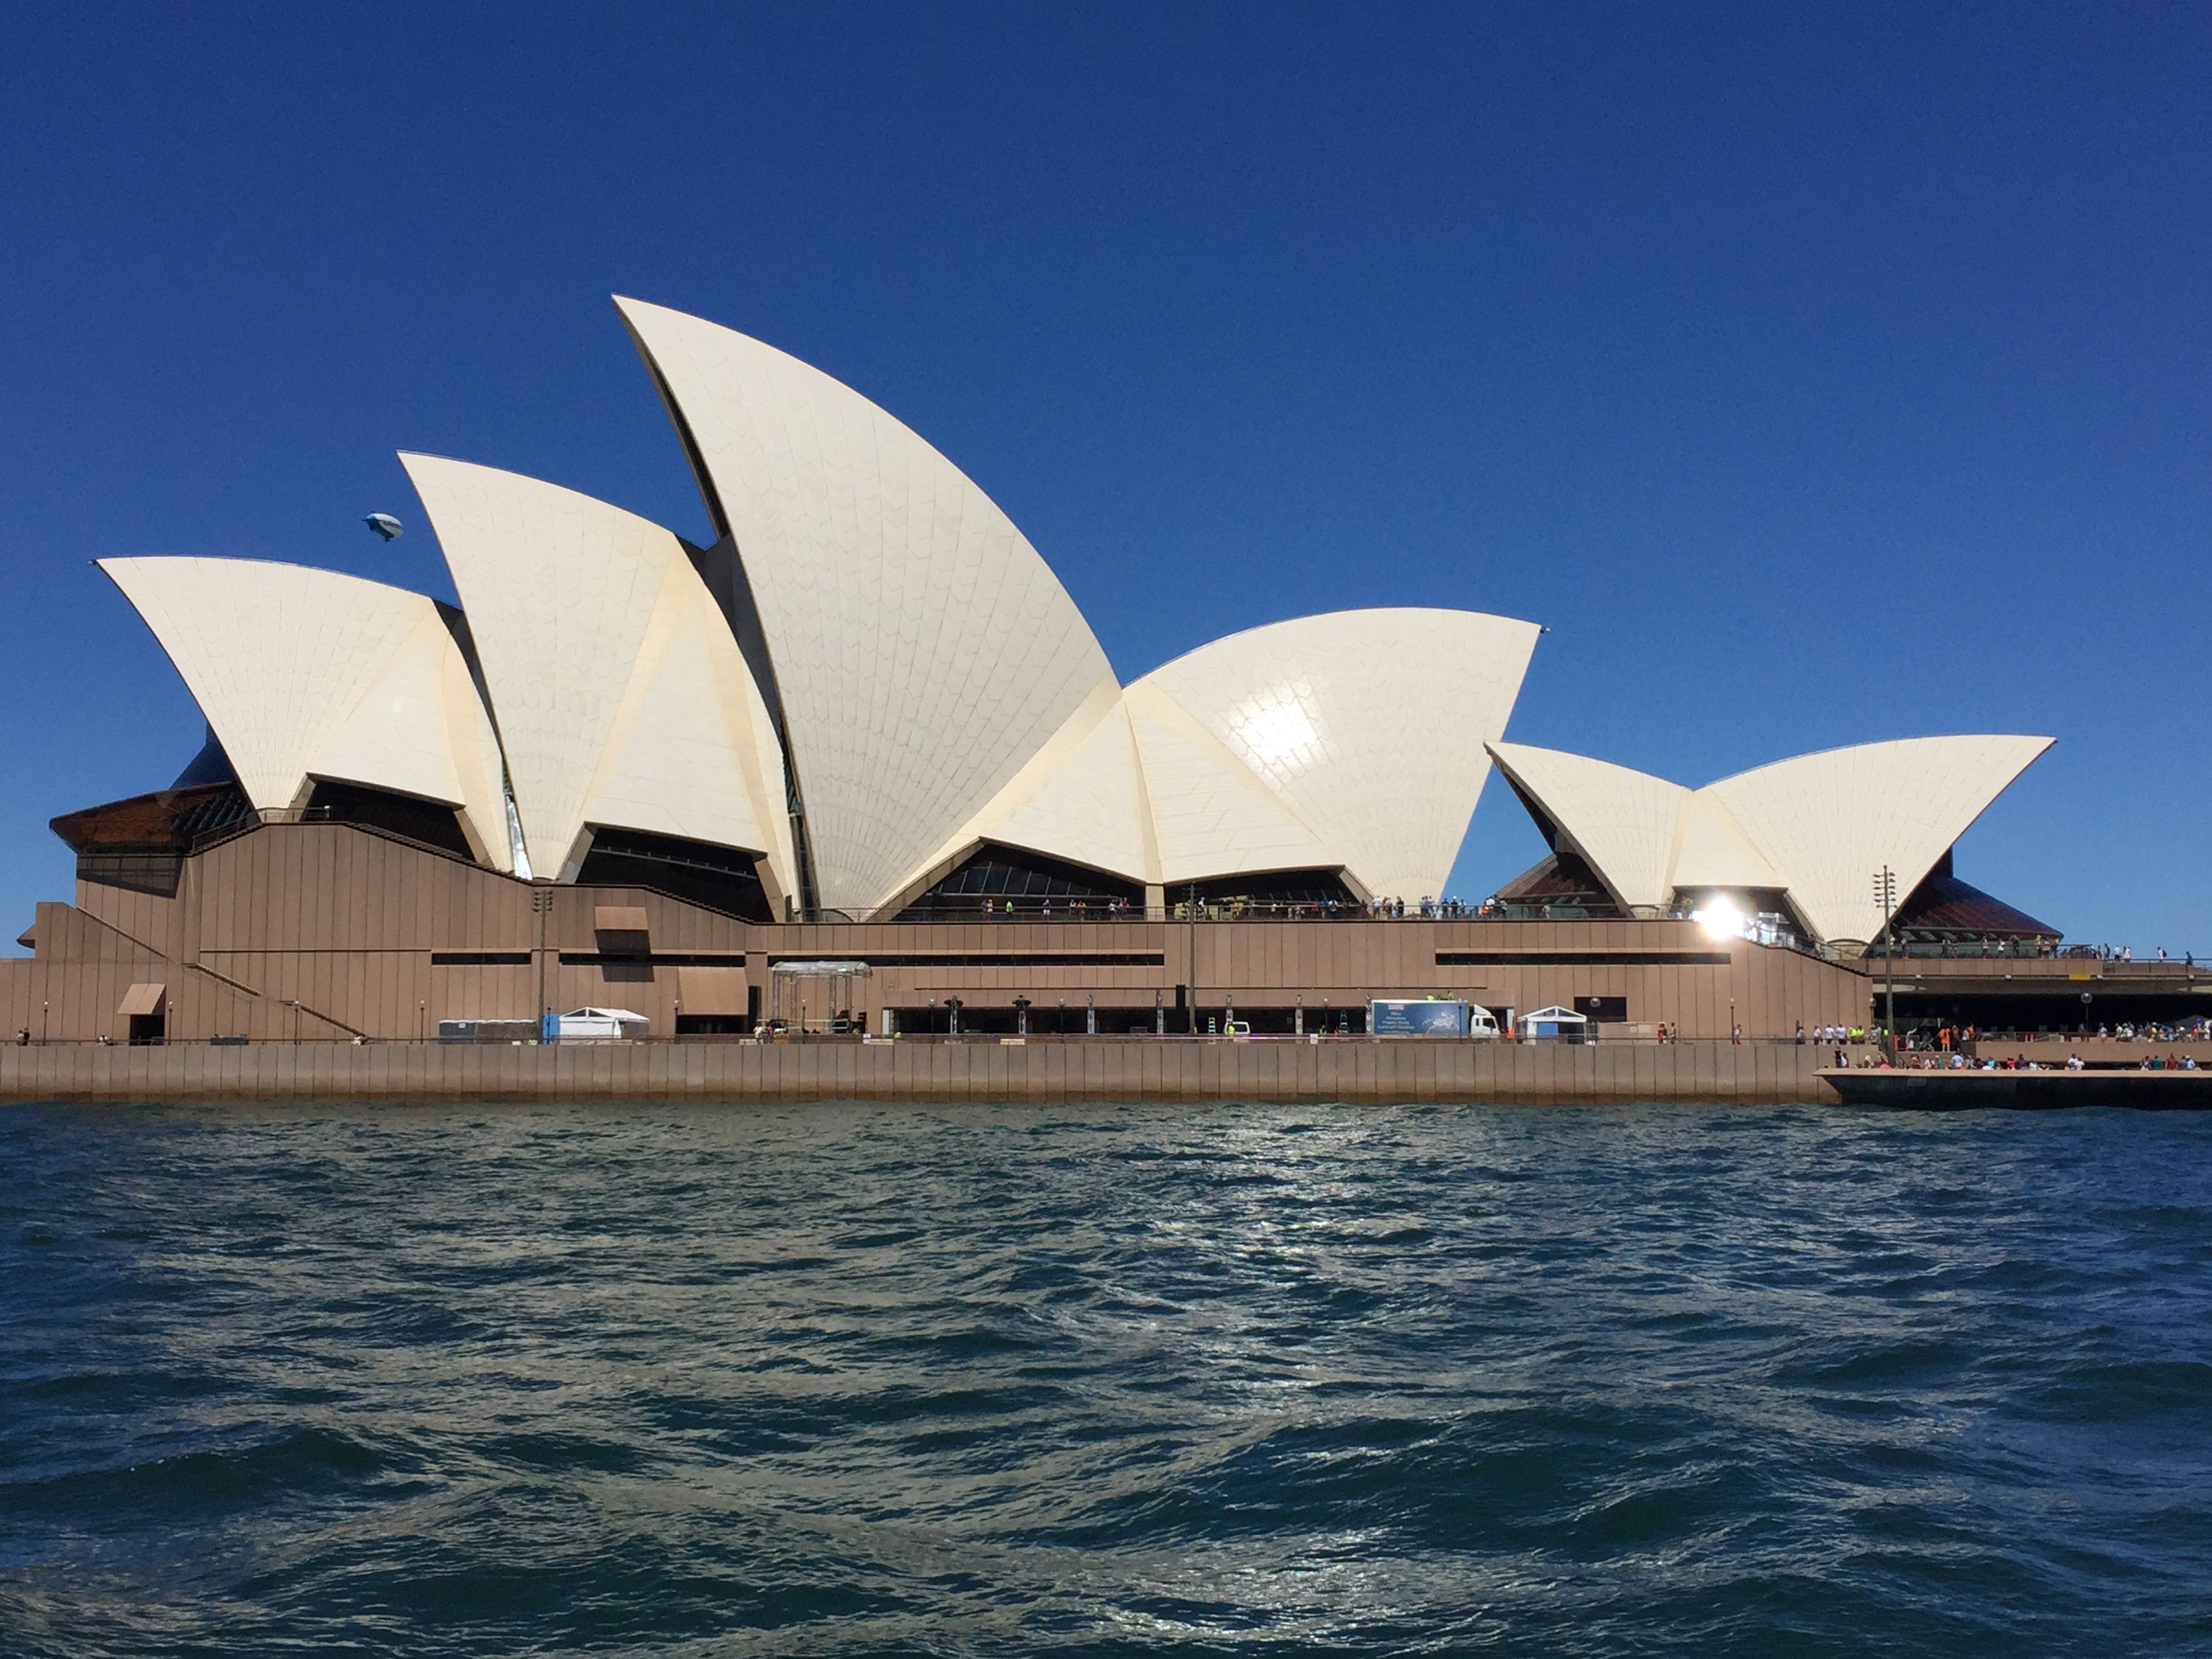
(1043, 1072)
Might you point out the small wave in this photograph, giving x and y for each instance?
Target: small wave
(182, 1484)
(1128, 1379)
(2128, 1392)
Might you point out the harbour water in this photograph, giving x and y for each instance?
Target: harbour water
(1225, 1380)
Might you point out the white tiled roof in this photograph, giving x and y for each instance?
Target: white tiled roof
(1832, 820)
(936, 684)
(1819, 826)
(1622, 823)
(307, 674)
(621, 696)
(1212, 815)
(923, 652)
(1080, 798)
(1367, 726)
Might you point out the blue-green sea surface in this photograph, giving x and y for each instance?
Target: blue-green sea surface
(1236, 1380)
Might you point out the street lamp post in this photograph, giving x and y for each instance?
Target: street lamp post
(1885, 892)
(1194, 959)
(542, 902)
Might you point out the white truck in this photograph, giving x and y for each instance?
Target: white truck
(1429, 1016)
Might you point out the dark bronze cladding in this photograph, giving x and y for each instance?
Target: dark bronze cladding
(139, 844)
(1007, 883)
(1000, 959)
(714, 877)
(651, 959)
(1584, 958)
(1944, 910)
(1569, 887)
(426, 824)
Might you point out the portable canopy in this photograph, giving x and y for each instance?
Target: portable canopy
(794, 977)
(1557, 1025)
(602, 1024)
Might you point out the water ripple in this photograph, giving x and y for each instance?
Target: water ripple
(1239, 1381)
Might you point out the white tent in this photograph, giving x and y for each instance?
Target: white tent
(1556, 1024)
(602, 1025)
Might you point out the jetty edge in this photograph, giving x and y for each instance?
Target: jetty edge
(1968, 1090)
(1041, 1071)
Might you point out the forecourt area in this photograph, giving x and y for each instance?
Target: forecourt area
(861, 765)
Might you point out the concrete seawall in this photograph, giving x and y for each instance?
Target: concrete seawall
(1043, 1071)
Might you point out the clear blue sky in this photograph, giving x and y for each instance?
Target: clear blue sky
(1816, 381)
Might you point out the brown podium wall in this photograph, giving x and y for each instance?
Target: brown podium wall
(345, 924)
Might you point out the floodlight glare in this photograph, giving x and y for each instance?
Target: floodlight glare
(1720, 918)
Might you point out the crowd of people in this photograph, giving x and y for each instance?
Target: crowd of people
(2168, 1062)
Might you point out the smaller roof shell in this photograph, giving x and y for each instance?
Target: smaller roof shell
(621, 697)
(305, 674)
(1623, 824)
(1818, 826)
(1357, 723)
(1832, 820)
(1081, 799)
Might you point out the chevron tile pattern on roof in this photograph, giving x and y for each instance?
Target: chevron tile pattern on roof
(1817, 827)
(1368, 726)
(305, 674)
(922, 650)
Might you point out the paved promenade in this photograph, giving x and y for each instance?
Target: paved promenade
(1047, 1071)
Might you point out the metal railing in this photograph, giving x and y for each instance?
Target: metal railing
(254, 817)
(1870, 1041)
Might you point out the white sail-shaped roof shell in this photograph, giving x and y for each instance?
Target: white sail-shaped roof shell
(923, 653)
(623, 699)
(1819, 827)
(1212, 814)
(1621, 823)
(1832, 820)
(307, 674)
(1333, 741)
(1080, 799)
(1367, 728)
(1713, 850)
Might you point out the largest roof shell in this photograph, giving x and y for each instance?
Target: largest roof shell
(922, 652)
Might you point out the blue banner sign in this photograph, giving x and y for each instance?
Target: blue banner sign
(1395, 1016)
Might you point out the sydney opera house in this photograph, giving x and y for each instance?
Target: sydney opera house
(862, 759)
